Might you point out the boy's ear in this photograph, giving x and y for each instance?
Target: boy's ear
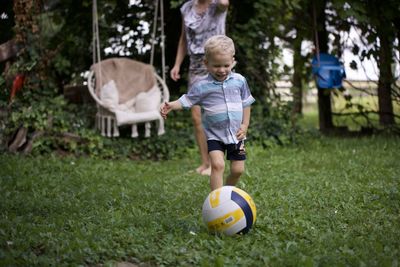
(234, 63)
(205, 61)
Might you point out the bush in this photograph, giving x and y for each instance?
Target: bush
(272, 126)
(64, 128)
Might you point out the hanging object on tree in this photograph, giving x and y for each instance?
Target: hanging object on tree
(326, 68)
(328, 71)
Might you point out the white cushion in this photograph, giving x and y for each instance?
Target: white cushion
(109, 95)
(148, 101)
(124, 117)
(128, 105)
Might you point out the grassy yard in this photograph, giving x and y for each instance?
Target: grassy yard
(324, 202)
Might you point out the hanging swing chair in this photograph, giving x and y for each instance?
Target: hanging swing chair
(126, 91)
(328, 71)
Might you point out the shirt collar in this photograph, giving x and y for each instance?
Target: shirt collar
(211, 78)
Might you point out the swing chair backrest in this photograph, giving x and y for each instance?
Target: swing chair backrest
(127, 92)
(131, 77)
(328, 70)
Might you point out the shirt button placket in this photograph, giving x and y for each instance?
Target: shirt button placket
(229, 130)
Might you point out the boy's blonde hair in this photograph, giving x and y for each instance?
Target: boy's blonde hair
(219, 44)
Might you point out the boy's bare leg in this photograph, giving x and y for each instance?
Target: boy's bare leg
(205, 167)
(237, 168)
(217, 169)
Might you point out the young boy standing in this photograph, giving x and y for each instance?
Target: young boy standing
(225, 99)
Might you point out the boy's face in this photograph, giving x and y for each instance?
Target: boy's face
(219, 65)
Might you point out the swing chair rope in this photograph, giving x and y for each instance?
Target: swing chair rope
(96, 41)
(153, 34)
(162, 40)
(159, 6)
(316, 33)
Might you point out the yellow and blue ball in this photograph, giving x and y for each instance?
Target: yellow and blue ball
(229, 210)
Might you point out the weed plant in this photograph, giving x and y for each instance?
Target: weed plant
(324, 202)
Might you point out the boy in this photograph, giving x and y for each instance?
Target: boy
(225, 99)
(201, 19)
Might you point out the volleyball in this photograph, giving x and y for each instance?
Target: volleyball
(229, 210)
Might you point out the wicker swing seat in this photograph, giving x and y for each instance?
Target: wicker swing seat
(127, 92)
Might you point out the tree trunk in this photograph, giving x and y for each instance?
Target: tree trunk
(396, 23)
(324, 95)
(386, 116)
(26, 13)
(297, 81)
(8, 50)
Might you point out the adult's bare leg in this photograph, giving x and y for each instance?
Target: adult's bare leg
(201, 140)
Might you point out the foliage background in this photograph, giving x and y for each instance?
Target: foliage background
(57, 52)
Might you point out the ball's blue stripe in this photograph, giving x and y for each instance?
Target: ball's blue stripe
(244, 205)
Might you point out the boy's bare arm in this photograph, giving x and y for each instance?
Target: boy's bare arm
(167, 107)
(241, 134)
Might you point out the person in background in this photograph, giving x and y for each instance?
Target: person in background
(201, 19)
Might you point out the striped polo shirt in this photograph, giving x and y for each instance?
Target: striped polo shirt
(222, 105)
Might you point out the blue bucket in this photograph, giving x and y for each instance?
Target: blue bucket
(329, 72)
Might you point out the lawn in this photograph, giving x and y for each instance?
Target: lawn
(324, 202)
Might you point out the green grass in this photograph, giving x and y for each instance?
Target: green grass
(324, 202)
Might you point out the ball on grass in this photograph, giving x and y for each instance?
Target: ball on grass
(229, 210)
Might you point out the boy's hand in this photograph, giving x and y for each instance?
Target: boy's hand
(241, 134)
(168, 106)
(165, 109)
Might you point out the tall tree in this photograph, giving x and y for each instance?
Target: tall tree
(377, 22)
(386, 33)
(297, 78)
(321, 44)
(27, 36)
(302, 32)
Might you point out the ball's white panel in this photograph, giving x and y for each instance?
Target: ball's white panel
(218, 196)
(237, 227)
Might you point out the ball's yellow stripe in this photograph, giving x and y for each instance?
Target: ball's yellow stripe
(214, 198)
(224, 222)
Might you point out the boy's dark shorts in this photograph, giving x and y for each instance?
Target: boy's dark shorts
(233, 151)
